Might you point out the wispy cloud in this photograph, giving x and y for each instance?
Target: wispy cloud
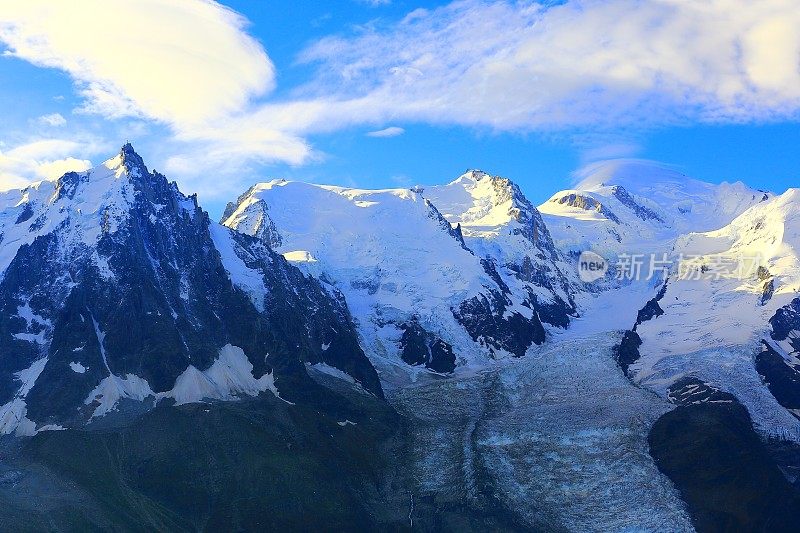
(54, 120)
(581, 64)
(181, 62)
(42, 159)
(391, 131)
(189, 65)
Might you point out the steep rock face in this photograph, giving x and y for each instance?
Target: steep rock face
(502, 226)
(258, 223)
(722, 469)
(418, 347)
(782, 376)
(786, 324)
(627, 351)
(642, 212)
(778, 363)
(123, 291)
(587, 203)
(397, 261)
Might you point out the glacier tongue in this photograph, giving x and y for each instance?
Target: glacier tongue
(557, 438)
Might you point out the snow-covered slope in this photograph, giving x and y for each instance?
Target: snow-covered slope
(714, 317)
(117, 291)
(418, 293)
(633, 206)
(708, 315)
(632, 211)
(500, 224)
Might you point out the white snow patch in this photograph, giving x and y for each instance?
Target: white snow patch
(29, 376)
(299, 256)
(77, 367)
(13, 415)
(113, 388)
(331, 371)
(230, 376)
(38, 338)
(249, 280)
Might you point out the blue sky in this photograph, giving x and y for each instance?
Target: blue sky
(219, 97)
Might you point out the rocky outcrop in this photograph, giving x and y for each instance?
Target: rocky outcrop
(489, 322)
(690, 390)
(778, 363)
(651, 309)
(722, 469)
(644, 213)
(587, 203)
(781, 377)
(419, 347)
(627, 351)
(785, 324)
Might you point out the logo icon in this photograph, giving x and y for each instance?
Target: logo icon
(591, 266)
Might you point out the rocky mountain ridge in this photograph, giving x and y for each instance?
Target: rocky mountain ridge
(431, 354)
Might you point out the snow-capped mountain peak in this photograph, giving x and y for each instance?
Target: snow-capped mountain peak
(500, 224)
(117, 288)
(478, 201)
(663, 194)
(636, 206)
(420, 294)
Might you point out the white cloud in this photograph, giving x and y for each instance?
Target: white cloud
(581, 64)
(55, 169)
(54, 120)
(392, 131)
(506, 65)
(182, 62)
(188, 64)
(42, 159)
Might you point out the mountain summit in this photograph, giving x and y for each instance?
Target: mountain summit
(117, 291)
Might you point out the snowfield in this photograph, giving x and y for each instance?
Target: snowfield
(713, 326)
(390, 252)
